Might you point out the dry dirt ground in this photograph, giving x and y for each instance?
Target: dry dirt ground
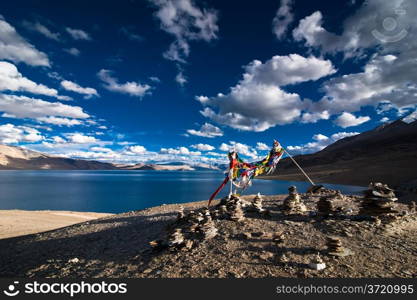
(118, 246)
(21, 222)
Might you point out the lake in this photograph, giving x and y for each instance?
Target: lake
(121, 191)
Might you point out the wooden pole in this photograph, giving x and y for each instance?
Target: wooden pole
(301, 169)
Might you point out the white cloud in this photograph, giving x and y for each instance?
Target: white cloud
(12, 80)
(207, 130)
(288, 69)
(242, 149)
(313, 117)
(78, 34)
(58, 140)
(320, 141)
(15, 48)
(387, 75)
(262, 146)
(131, 88)
(348, 120)
(180, 78)
(137, 149)
(203, 147)
(25, 107)
(320, 137)
(282, 19)
(73, 51)
(79, 138)
(384, 120)
(12, 134)
(59, 121)
(411, 117)
(42, 29)
(179, 151)
(257, 102)
(74, 87)
(186, 22)
(155, 79)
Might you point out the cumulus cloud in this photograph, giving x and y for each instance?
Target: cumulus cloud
(12, 80)
(257, 102)
(12, 134)
(73, 51)
(74, 87)
(262, 146)
(320, 141)
(78, 34)
(179, 151)
(313, 117)
(15, 48)
(42, 29)
(79, 138)
(137, 149)
(186, 22)
(203, 147)
(131, 88)
(207, 130)
(282, 19)
(59, 121)
(242, 149)
(348, 120)
(387, 75)
(32, 108)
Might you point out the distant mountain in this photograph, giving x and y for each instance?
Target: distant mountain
(387, 153)
(17, 158)
(168, 167)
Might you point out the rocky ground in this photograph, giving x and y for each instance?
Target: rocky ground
(118, 245)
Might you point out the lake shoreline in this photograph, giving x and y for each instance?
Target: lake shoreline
(16, 222)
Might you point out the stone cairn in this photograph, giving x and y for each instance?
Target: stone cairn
(257, 203)
(187, 230)
(176, 239)
(292, 204)
(326, 204)
(236, 212)
(335, 247)
(231, 207)
(208, 228)
(257, 206)
(378, 201)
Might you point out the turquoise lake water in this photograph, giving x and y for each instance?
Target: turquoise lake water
(121, 191)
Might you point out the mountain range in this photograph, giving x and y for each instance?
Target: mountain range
(387, 154)
(18, 158)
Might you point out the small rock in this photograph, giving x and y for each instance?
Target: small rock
(74, 260)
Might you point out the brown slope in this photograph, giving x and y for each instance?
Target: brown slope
(387, 153)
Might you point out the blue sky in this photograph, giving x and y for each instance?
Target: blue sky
(182, 80)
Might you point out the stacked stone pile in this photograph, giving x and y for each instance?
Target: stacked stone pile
(292, 204)
(378, 200)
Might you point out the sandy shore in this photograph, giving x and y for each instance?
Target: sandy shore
(21, 222)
